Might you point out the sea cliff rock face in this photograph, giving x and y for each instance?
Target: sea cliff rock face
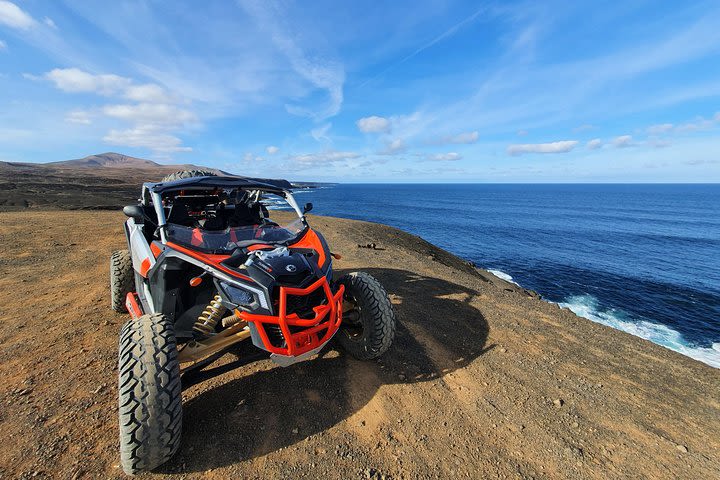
(484, 379)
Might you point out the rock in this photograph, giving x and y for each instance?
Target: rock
(682, 448)
(558, 402)
(503, 350)
(402, 377)
(574, 452)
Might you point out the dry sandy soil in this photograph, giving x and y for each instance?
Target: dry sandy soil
(482, 381)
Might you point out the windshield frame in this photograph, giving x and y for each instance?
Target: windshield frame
(156, 199)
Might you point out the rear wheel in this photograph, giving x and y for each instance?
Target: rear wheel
(150, 396)
(121, 279)
(368, 325)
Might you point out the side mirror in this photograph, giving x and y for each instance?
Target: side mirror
(135, 212)
(308, 207)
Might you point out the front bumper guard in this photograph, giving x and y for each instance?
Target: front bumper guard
(304, 342)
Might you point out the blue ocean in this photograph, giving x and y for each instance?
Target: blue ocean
(640, 258)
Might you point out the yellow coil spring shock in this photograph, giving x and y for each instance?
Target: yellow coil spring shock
(205, 324)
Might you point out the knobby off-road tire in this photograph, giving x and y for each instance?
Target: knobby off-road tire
(188, 174)
(150, 407)
(122, 279)
(370, 326)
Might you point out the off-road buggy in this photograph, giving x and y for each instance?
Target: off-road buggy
(207, 268)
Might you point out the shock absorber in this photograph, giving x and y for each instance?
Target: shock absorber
(205, 324)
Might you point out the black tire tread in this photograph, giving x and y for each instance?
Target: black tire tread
(150, 398)
(122, 279)
(188, 174)
(377, 317)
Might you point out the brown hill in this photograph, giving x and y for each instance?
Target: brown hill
(104, 181)
(108, 160)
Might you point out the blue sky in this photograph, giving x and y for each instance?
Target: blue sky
(421, 91)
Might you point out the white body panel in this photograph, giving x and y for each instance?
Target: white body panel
(139, 248)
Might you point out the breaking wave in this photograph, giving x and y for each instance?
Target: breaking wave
(503, 276)
(588, 307)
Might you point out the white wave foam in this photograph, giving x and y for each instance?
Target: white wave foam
(503, 276)
(588, 306)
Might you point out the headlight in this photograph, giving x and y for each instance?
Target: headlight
(237, 295)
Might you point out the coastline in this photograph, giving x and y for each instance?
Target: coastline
(586, 306)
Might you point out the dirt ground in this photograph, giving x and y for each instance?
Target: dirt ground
(483, 381)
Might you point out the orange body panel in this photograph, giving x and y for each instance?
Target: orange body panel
(312, 241)
(156, 249)
(145, 266)
(132, 305)
(252, 248)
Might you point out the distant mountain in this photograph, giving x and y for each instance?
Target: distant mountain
(103, 162)
(103, 181)
(110, 160)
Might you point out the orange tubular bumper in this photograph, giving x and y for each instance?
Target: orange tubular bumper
(315, 331)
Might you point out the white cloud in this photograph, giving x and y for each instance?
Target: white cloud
(49, 22)
(393, 147)
(698, 125)
(153, 120)
(584, 128)
(320, 133)
(151, 113)
(462, 138)
(443, 157)
(78, 116)
(552, 147)
(717, 117)
(251, 158)
(3, 45)
(75, 80)
(373, 124)
(323, 158)
(594, 144)
(148, 92)
(659, 129)
(12, 16)
(272, 149)
(522, 133)
(146, 137)
(622, 141)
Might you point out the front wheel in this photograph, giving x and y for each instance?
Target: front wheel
(150, 394)
(368, 325)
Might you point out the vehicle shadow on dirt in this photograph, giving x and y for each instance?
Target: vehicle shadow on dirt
(438, 332)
